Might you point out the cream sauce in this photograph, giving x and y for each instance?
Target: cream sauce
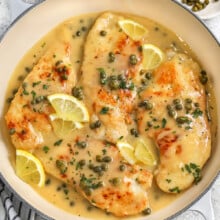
(55, 191)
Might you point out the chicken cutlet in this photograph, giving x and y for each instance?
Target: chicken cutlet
(178, 122)
(28, 115)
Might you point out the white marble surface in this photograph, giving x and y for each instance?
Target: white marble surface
(208, 207)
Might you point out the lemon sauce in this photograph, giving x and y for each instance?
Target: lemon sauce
(55, 191)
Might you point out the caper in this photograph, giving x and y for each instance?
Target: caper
(77, 92)
(64, 185)
(188, 106)
(196, 104)
(203, 72)
(111, 57)
(39, 99)
(103, 33)
(101, 173)
(140, 48)
(91, 166)
(171, 112)
(144, 82)
(176, 101)
(146, 104)
(84, 28)
(189, 3)
(197, 5)
(178, 107)
(148, 75)
(142, 72)
(115, 181)
(97, 169)
(107, 159)
(78, 33)
(58, 62)
(203, 79)
(149, 124)
(188, 100)
(121, 77)
(28, 69)
(24, 85)
(99, 184)
(102, 73)
(90, 207)
(122, 167)
(104, 166)
(72, 203)
(95, 124)
(114, 84)
(133, 59)
(147, 211)
(82, 163)
(195, 8)
(134, 132)
(81, 144)
(98, 158)
(12, 131)
(58, 188)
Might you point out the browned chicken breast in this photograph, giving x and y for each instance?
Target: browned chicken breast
(27, 116)
(108, 76)
(178, 123)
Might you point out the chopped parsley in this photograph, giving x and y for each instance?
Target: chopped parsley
(196, 113)
(58, 143)
(45, 87)
(175, 190)
(195, 170)
(164, 122)
(168, 180)
(104, 110)
(62, 166)
(45, 149)
(36, 83)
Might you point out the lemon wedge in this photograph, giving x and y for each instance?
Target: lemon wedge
(63, 128)
(152, 56)
(127, 151)
(133, 29)
(144, 153)
(29, 168)
(68, 108)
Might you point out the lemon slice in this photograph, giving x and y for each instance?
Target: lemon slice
(69, 108)
(29, 168)
(144, 153)
(152, 56)
(127, 151)
(133, 29)
(63, 128)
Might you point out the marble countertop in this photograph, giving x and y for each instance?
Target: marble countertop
(208, 207)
